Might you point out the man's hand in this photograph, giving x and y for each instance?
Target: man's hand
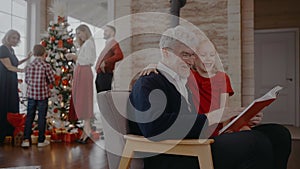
(245, 128)
(222, 115)
(147, 70)
(256, 119)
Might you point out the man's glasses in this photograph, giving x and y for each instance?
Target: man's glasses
(184, 54)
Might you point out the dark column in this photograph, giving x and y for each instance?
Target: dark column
(175, 11)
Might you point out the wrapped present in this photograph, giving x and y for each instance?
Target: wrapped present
(57, 135)
(77, 131)
(19, 130)
(35, 132)
(34, 139)
(48, 132)
(48, 137)
(17, 120)
(8, 140)
(60, 130)
(70, 137)
(18, 139)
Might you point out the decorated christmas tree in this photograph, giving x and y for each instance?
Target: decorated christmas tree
(58, 42)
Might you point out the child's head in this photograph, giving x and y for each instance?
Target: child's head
(208, 58)
(39, 50)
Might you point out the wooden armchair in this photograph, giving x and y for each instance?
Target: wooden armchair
(113, 106)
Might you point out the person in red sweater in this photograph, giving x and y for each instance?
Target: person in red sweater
(105, 65)
(208, 82)
(210, 85)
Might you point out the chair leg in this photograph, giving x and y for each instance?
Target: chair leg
(126, 156)
(205, 159)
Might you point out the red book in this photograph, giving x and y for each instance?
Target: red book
(254, 108)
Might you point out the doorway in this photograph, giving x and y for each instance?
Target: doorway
(276, 62)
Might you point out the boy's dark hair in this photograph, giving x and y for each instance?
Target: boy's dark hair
(39, 50)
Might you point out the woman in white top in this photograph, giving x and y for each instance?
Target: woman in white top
(82, 89)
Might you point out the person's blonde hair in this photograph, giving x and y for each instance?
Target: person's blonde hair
(84, 28)
(203, 38)
(218, 64)
(39, 50)
(11, 32)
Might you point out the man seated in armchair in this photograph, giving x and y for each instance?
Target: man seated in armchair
(161, 108)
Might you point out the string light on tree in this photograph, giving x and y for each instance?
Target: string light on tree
(58, 42)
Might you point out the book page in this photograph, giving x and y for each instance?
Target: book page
(272, 94)
(255, 107)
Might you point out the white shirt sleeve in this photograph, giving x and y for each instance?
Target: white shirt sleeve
(87, 53)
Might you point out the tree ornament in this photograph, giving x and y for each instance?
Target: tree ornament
(60, 19)
(43, 43)
(52, 39)
(70, 41)
(64, 69)
(65, 82)
(59, 10)
(60, 44)
(57, 56)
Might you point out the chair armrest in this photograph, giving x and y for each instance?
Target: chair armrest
(184, 141)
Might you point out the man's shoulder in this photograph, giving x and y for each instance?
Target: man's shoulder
(39, 63)
(153, 80)
(153, 77)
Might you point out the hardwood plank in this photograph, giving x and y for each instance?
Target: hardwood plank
(57, 155)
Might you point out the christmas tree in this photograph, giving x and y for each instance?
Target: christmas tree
(59, 42)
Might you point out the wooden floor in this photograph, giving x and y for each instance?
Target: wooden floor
(55, 156)
(89, 156)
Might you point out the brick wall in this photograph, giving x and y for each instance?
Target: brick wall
(220, 20)
(141, 46)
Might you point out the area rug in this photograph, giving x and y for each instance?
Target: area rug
(24, 167)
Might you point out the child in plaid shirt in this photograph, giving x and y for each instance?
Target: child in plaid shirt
(38, 76)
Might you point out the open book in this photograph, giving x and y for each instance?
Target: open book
(255, 107)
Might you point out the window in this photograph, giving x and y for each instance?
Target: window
(13, 15)
(96, 31)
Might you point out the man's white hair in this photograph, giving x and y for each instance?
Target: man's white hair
(178, 34)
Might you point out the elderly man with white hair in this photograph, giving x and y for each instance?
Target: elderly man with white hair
(161, 108)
